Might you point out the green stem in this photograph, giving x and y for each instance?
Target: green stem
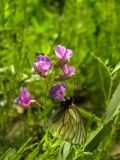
(40, 105)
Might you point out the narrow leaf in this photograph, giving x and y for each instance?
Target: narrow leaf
(114, 106)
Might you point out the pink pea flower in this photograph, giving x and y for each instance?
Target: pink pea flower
(42, 65)
(57, 92)
(63, 54)
(68, 72)
(24, 99)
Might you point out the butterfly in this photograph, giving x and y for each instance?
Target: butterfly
(67, 122)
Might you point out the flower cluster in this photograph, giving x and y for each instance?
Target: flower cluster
(42, 65)
(64, 56)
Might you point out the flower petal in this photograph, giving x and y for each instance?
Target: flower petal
(68, 71)
(62, 88)
(65, 69)
(63, 53)
(57, 92)
(60, 51)
(69, 53)
(42, 64)
(17, 101)
(24, 93)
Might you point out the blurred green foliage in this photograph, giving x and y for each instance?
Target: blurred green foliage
(28, 27)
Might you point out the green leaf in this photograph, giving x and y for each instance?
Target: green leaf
(114, 106)
(104, 129)
(20, 152)
(9, 154)
(33, 154)
(96, 137)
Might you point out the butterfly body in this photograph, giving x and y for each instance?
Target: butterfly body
(68, 123)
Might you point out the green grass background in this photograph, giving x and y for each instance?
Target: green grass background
(91, 28)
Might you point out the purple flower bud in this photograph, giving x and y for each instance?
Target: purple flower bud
(42, 65)
(57, 91)
(63, 54)
(24, 99)
(68, 71)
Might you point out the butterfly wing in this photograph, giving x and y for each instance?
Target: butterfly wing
(68, 123)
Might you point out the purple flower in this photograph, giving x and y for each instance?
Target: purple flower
(63, 54)
(24, 99)
(57, 91)
(68, 71)
(42, 65)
